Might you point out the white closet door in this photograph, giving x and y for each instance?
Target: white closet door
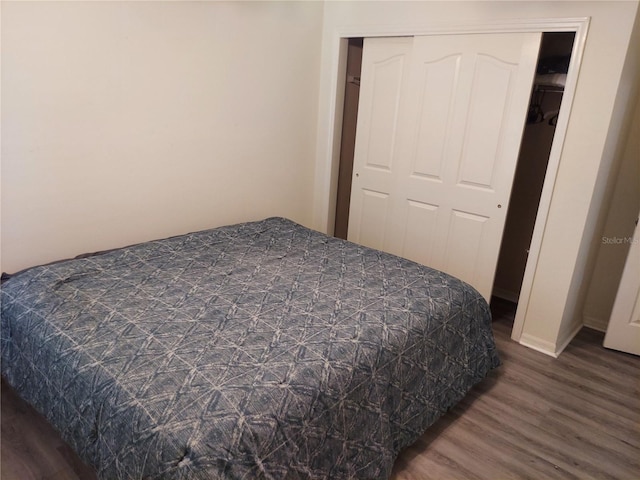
(385, 66)
(623, 332)
(448, 152)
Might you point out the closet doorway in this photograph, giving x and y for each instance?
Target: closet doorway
(537, 140)
(553, 61)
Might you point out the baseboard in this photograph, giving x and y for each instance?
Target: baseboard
(505, 294)
(568, 339)
(539, 345)
(599, 324)
(549, 348)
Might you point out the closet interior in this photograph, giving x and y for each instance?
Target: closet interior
(348, 143)
(546, 96)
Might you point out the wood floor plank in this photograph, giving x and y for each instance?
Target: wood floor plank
(486, 441)
(541, 442)
(572, 397)
(577, 431)
(574, 417)
(522, 434)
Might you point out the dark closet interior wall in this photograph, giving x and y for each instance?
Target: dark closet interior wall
(555, 52)
(347, 146)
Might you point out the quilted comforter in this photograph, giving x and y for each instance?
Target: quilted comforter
(260, 350)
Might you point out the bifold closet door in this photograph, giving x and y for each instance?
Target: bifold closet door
(440, 121)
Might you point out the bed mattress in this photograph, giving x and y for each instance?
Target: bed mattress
(259, 350)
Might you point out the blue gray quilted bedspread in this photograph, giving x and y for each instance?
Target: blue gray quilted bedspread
(260, 350)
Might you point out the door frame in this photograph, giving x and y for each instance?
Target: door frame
(339, 42)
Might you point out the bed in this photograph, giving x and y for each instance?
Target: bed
(258, 350)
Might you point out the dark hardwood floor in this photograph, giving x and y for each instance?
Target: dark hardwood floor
(575, 417)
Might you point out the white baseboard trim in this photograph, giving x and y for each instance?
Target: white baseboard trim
(539, 345)
(505, 294)
(599, 324)
(549, 348)
(568, 339)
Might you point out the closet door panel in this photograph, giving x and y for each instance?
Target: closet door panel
(437, 81)
(383, 116)
(419, 235)
(372, 218)
(491, 90)
(457, 125)
(481, 124)
(465, 237)
(381, 109)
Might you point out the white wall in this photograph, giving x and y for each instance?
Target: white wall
(621, 126)
(621, 213)
(554, 309)
(128, 121)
